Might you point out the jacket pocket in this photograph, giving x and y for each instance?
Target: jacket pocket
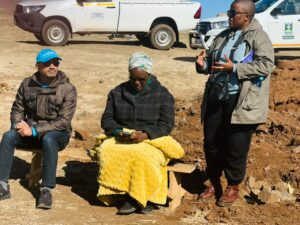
(252, 99)
(54, 105)
(30, 100)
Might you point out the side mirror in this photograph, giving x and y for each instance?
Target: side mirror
(277, 11)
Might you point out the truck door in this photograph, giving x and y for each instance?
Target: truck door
(284, 25)
(97, 15)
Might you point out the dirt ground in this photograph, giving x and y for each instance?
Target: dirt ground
(96, 64)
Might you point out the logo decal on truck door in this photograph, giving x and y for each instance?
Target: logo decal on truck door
(288, 31)
(98, 15)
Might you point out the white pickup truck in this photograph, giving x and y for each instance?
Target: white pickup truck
(279, 18)
(158, 21)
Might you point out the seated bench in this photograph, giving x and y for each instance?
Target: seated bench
(176, 191)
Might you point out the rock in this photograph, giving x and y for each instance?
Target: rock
(290, 189)
(81, 135)
(101, 81)
(251, 182)
(266, 169)
(209, 217)
(183, 121)
(269, 196)
(255, 191)
(287, 197)
(283, 187)
(297, 150)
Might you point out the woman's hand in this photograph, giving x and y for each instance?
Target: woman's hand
(223, 67)
(200, 58)
(139, 136)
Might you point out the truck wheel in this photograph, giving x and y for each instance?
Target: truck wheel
(162, 37)
(37, 36)
(55, 32)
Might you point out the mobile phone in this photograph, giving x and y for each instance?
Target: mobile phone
(126, 134)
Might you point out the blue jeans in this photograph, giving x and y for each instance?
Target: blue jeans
(50, 144)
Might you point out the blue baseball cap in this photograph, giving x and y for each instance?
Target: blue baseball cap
(46, 55)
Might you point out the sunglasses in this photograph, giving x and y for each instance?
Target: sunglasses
(232, 13)
(54, 62)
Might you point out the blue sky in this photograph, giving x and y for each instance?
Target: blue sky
(211, 8)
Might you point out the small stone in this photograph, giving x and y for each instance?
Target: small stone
(101, 81)
(274, 197)
(264, 196)
(81, 135)
(209, 217)
(287, 197)
(266, 169)
(251, 182)
(255, 191)
(282, 187)
(297, 150)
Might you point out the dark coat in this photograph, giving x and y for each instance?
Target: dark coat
(46, 109)
(151, 110)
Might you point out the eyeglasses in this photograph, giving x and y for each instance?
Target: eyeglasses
(232, 13)
(54, 62)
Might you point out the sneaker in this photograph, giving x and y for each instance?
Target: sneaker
(45, 200)
(127, 208)
(147, 209)
(4, 194)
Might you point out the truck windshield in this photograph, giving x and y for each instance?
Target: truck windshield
(263, 5)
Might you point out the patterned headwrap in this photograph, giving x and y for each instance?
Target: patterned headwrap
(141, 61)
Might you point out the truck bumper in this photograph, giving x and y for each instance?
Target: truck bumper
(31, 22)
(195, 40)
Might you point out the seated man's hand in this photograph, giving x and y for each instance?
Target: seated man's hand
(139, 136)
(24, 129)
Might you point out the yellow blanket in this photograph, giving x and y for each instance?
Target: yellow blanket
(139, 170)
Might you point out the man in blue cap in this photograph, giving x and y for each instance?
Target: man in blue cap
(40, 118)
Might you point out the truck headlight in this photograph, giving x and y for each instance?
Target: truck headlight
(32, 9)
(220, 25)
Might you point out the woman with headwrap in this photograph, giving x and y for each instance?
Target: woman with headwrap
(139, 114)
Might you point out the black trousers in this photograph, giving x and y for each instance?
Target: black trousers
(226, 145)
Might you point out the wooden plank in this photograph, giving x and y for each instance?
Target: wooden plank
(182, 167)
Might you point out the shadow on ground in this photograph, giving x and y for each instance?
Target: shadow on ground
(82, 178)
(185, 59)
(18, 171)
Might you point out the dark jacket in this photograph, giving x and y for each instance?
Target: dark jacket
(46, 109)
(253, 102)
(151, 110)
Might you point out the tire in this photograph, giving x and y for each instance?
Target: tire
(162, 37)
(37, 36)
(55, 32)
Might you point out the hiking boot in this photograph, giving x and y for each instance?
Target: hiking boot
(4, 194)
(127, 208)
(214, 190)
(230, 195)
(45, 199)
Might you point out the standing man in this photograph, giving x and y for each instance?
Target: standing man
(40, 118)
(241, 59)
